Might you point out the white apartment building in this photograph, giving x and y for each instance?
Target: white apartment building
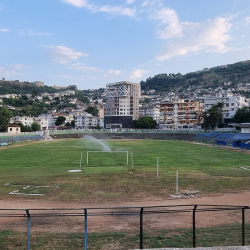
(50, 118)
(25, 120)
(122, 105)
(86, 121)
(43, 122)
(28, 120)
(152, 111)
(231, 104)
(68, 92)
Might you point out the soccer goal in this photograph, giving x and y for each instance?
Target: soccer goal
(106, 158)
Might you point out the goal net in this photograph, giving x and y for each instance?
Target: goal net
(105, 158)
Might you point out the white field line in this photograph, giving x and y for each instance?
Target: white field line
(26, 187)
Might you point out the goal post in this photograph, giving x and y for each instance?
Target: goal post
(107, 152)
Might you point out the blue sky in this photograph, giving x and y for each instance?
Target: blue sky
(90, 43)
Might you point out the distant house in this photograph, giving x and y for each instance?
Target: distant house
(14, 128)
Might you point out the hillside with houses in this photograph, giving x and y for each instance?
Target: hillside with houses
(174, 101)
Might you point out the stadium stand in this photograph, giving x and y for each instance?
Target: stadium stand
(227, 139)
(206, 136)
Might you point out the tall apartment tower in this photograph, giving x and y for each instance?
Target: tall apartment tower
(122, 106)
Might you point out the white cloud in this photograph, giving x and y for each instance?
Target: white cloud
(145, 3)
(11, 69)
(172, 27)
(62, 54)
(76, 3)
(32, 33)
(130, 1)
(247, 21)
(137, 73)
(209, 36)
(118, 10)
(112, 73)
(83, 67)
(4, 30)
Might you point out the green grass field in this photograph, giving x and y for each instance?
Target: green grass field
(203, 168)
(224, 235)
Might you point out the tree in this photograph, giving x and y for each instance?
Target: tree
(35, 126)
(147, 100)
(5, 116)
(145, 122)
(242, 115)
(98, 127)
(92, 110)
(23, 127)
(68, 125)
(60, 120)
(213, 116)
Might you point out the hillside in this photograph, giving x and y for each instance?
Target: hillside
(7, 87)
(206, 78)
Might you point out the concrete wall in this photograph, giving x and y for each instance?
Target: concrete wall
(161, 136)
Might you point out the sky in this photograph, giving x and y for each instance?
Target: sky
(90, 43)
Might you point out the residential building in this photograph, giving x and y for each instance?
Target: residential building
(231, 104)
(86, 121)
(43, 122)
(25, 120)
(101, 111)
(14, 129)
(68, 92)
(180, 114)
(28, 120)
(122, 106)
(152, 111)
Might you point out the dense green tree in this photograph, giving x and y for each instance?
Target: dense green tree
(98, 127)
(147, 100)
(60, 120)
(92, 110)
(146, 122)
(35, 126)
(213, 116)
(5, 115)
(80, 95)
(242, 115)
(24, 128)
(68, 125)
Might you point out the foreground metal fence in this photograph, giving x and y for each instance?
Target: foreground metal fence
(197, 223)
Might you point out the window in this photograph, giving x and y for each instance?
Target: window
(232, 104)
(232, 109)
(10, 129)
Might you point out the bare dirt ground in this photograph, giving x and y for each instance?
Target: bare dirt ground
(123, 223)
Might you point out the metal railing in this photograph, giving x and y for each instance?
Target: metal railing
(140, 212)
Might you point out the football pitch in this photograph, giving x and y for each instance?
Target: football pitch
(41, 169)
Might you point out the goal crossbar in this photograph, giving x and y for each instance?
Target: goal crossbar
(105, 152)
